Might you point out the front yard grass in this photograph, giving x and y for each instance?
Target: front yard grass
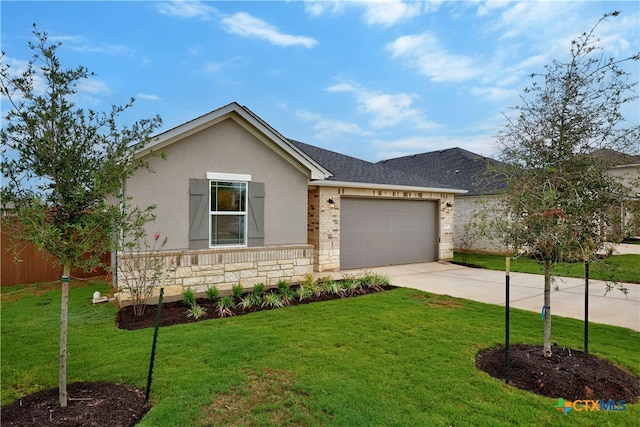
(396, 358)
(623, 268)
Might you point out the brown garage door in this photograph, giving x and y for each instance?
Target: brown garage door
(375, 232)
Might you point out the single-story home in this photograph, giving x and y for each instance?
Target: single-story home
(625, 167)
(459, 168)
(240, 203)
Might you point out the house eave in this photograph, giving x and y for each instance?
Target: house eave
(392, 187)
(631, 165)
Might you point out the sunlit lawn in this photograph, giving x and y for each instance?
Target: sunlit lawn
(622, 268)
(397, 358)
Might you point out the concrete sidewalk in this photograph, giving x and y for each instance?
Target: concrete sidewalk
(626, 248)
(526, 291)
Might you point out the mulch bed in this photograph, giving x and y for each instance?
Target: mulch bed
(569, 374)
(173, 313)
(89, 404)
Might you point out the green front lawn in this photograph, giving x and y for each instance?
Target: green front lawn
(623, 268)
(397, 358)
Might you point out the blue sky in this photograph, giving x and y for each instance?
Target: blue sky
(373, 80)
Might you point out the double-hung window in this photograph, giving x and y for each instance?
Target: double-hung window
(228, 213)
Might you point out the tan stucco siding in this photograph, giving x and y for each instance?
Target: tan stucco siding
(226, 147)
(629, 176)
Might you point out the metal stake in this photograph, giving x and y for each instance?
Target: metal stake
(153, 347)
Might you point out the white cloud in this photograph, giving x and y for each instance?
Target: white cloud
(317, 8)
(110, 49)
(212, 67)
(615, 32)
(483, 144)
(91, 92)
(326, 129)
(538, 20)
(385, 13)
(88, 90)
(341, 87)
(186, 9)
(425, 53)
(389, 12)
(82, 44)
(494, 93)
(246, 25)
(387, 109)
(148, 97)
(488, 7)
(92, 86)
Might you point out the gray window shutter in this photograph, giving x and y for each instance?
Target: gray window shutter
(198, 213)
(255, 228)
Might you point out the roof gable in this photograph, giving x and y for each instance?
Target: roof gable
(248, 120)
(615, 157)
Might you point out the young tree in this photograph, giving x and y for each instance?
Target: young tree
(559, 197)
(61, 164)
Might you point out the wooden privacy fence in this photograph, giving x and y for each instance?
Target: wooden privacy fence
(35, 266)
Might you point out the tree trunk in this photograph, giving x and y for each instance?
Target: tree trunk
(546, 309)
(64, 310)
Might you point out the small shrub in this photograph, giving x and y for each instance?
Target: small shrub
(308, 280)
(288, 295)
(324, 280)
(196, 311)
(332, 287)
(212, 293)
(225, 306)
(375, 281)
(283, 284)
(141, 273)
(258, 289)
(317, 290)
(272, 300)
(249, 301)
(351, 286)
(304, 292)
(237, 290)
(188, 297)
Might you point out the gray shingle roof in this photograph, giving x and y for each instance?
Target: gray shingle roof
(454, 167)
(615, 157)
(349, 169)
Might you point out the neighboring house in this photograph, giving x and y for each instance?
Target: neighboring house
(459, 168)
(240, 203)
(627, 168)
(6, 208)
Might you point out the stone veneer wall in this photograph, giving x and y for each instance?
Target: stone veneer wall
(323, 228)
(199, 269)
(324, 221)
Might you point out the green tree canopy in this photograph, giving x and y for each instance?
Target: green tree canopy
(560, 198)
(62, 165)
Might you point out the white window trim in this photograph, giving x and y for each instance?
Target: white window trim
(231, 177)
(218, 176)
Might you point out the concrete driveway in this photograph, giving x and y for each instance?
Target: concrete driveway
(526, 291)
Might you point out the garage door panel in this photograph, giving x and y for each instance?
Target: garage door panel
(378, 232)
